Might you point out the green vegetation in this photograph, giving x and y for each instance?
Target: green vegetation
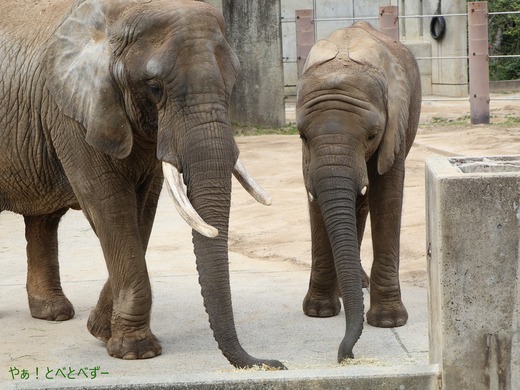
(241, 130)
(439, 121)
(504, 39)
(465, 120)
(510, 120)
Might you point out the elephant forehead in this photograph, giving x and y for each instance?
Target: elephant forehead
(333, 81)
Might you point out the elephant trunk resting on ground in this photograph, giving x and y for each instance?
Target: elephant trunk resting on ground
(96, 95)
(357, 112)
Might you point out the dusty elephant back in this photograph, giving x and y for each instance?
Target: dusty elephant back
(25, 27)
(31, 21)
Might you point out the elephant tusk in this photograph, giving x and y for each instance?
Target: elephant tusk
(250, 185)
(183, 205)
(364, 190)
(310, 196)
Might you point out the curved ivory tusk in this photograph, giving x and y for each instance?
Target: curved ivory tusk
(175, 187)
(364, 190)
(250, 185)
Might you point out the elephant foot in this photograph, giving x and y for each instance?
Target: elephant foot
(321, 306)
(135, 345)
(99, 324)
(53, 308)
(265, 364)
(387, 316)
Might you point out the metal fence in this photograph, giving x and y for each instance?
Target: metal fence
(476, 60)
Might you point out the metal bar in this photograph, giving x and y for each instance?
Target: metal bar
(503, 12)
(346, 19)
(286, 20)
(443, 58)
(478, 62)
(443, 100)
(389, 21)
(430, 16)
(507, 56)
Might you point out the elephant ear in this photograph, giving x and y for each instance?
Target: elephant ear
(321, 52)
(77, 68)
(374, 53)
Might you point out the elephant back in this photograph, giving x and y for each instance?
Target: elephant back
(31, 23)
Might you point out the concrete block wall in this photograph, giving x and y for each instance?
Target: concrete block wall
(473, 246)
(253, 31)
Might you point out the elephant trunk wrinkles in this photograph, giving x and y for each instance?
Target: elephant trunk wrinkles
(337, 200)
(208, 166)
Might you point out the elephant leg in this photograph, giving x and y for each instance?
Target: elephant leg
(361, 219)
(128, 287)
(385, 199)
(322, 299)
(46, 298)
(99, 322)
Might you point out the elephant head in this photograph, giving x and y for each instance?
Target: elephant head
(352, 114)
(141, 74)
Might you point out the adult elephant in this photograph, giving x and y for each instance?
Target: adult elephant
(357, 112)
(96, 97)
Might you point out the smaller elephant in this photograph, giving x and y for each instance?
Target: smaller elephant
(358, 106)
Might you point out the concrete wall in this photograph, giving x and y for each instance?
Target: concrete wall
(215, 3)
(449, 76)
(253, 31)
(473, 241)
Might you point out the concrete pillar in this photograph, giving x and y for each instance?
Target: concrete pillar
(254, 32)
(473, 244)
(215, 3)
(411, 29)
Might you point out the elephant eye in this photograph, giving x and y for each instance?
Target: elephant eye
(372, 136)
(156, 92)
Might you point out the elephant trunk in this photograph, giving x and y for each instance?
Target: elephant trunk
(208, 165)
(336, 194)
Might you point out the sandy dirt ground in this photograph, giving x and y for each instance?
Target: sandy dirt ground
(281, 232)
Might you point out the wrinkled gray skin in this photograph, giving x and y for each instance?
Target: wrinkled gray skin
(94, 95)
(358, 108)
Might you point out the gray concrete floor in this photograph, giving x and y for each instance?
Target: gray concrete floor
(267, 303)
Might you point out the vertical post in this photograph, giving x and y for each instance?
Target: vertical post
(389, 21)
(478, 61)
(304, 35)
(254, 31)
